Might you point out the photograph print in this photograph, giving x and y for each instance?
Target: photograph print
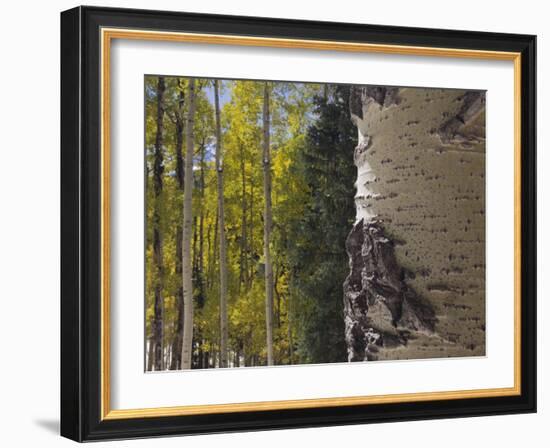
(297, 223)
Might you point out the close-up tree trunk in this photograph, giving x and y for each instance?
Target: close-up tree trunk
(187, 273)
(417, 248)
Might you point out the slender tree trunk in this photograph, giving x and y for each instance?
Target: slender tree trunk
(289, 331)
(277, 295)
(224, 336)
(187, 274)
(158, 170)
(200, 356)
(175, 362)
(209, 252)
(215, 248)
(150, 354)
(267, 229)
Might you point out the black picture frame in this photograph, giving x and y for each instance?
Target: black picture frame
(81, 224)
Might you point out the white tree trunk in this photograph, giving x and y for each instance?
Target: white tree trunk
(224, 335)
(187, 343)
(417, 249)
(266, 161)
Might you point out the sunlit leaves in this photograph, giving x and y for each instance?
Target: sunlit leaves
(311, 215)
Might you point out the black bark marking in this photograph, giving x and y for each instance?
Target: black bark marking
(472, 104)
(380, 309)
(364, 95)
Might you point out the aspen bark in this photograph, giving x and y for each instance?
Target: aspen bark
(266, 162)
(417, 248)
(158, 171)
(187, 274)
(224, 336)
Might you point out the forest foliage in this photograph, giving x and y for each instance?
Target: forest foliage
(311, 141)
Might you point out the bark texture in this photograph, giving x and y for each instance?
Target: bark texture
(187, 271)
(417, 248)
(380, 308)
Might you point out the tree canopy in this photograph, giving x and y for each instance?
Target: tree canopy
(311, 141)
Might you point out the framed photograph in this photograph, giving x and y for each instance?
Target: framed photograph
(275, 224)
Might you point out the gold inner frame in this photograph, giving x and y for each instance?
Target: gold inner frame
(107, 35)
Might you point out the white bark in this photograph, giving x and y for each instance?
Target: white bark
(266, 161)
(187, 344)
(421, 182)
(224, 336)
